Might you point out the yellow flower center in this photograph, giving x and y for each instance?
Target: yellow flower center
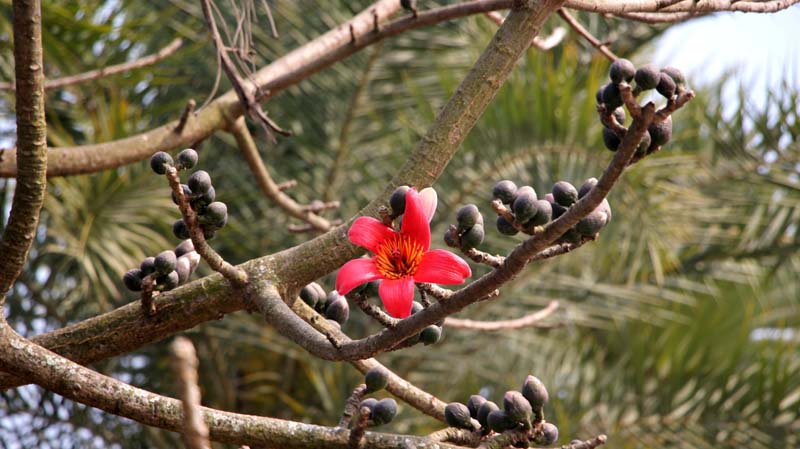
(398, 257)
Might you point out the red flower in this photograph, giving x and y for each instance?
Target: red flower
(401, 258)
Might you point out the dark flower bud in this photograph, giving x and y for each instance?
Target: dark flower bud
(564, 193)
(504, 191)
(209, 232)
(398, 200)
(483, 413)
(558, 210)
(216, 214)
(610, 139)
(416, 307)
(369, 403)
(187, 159)
(384, 411)
(472, 237)
(133, 280)
(505, 227)
(549, 434)
(457, 415)
(612, 97)
(377, 379)
(194, 259)
(661, 133)
(621, 70)
(310, 295)
(524, 206)
(666, 86)
(598, 95)
(544, 212)
(180, 230)
(184, 269)
(450, 237)
(647, 77)
(474, 404)
(184, 247)
(499, 421)
(338, 310)
(468, 216)
(516, 406)
(619, 114)
(199, 203)
(592, 223)
(148, 265)
(168, 281)
(160, 161)
(675, 74)
(187, 192)
(199, 182)
(165, 262)
(586, 187)
(535, 392)
(431, 334)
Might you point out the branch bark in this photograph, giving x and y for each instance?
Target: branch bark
(145, 61)
(31, 144)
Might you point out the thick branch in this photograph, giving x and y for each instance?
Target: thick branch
(144, 61)
(31, 144)
(25, 359)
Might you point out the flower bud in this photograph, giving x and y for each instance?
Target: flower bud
(549, 434)
(647, 77)
(544, 212)
(505, 227)
(377, 379)
(666, 85)
(499, 421)
(661, 133)
(468, 216)
(621, 70)
(523, 207)
(586, 187)
(398, 200)
(457, 415)
(564, 193)
(474, 404)
(483, 412)
(384, 411)
(133, 280)
(199, 182)
(180, 230)
(472, 237)
(610, 139)
(431, 334)
(148, 265)
(165, 262)
(160, 161)
(338, 310)
(187, 159)
(505, 191)
(184, 247)
(516, 406)
(535, 392)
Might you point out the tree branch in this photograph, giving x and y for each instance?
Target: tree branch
(530, 320)
(268, 187)
(31, 185)
(693, 6)
(573, 22)
(195, 432)
(144, 61)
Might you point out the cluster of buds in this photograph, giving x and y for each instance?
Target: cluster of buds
(519, 209)
(378, 412)
(522, 411)
(212, 215)
(332, 305)
(668, 82)
(168, 269)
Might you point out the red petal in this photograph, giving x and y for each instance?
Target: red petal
(415, 222)
(442, 267)
(369, 233)
(397, 295)
(355, 273)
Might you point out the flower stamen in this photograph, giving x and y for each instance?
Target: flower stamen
(398, 257)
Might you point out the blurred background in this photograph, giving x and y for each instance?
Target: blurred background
(681, 323)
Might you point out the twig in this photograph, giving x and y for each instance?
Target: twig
(357, 432)
(588, 444)
(187, 111)
(530, 320)
(627, 6)
(286, 185)
(317, 206)
(351, 405)
(264, 180)
(234, 274)
(462, 437)
(442, 294)
(148, 285)
(184, 367)
(573, 22)
(376, 313)
(538, 42)
(247, 94)
(144, 61)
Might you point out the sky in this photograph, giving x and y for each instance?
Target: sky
(761, 50)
